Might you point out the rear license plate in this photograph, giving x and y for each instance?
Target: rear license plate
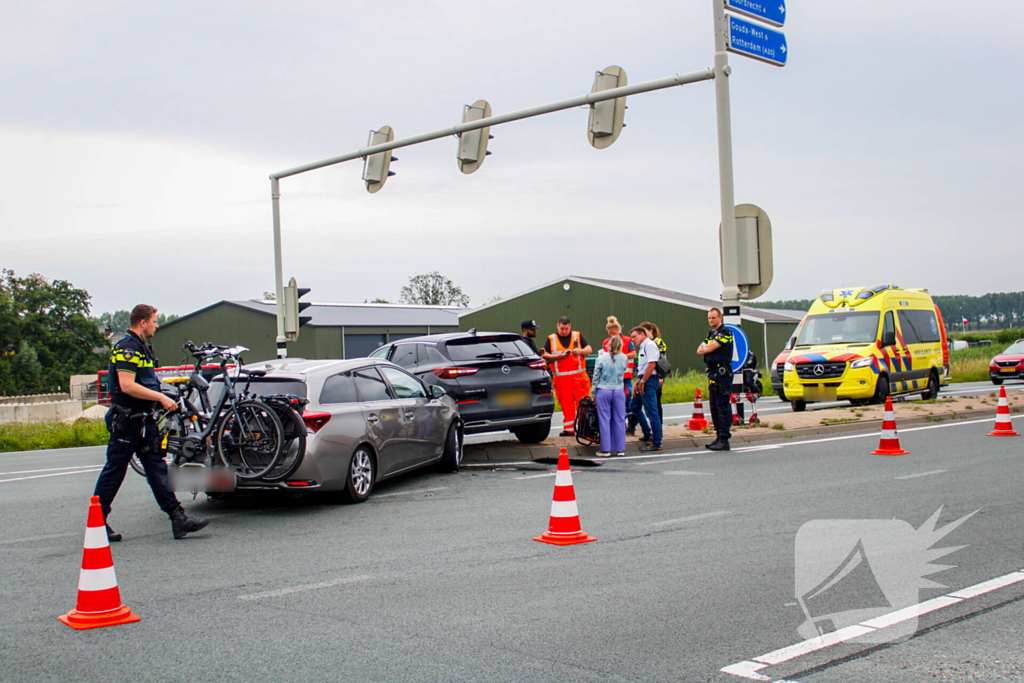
(512, 399)
(1007, 369)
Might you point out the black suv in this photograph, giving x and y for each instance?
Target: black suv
(494, 377)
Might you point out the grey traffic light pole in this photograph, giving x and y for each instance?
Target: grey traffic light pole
(583, 100)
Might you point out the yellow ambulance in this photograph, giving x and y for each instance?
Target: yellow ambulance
(863, 344)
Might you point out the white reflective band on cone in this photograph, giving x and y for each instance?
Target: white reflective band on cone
(889, 434)
(563, 478)
(564, 508)
(96, 537)
(97, 579)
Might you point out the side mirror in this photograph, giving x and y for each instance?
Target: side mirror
(889, 338)
(436, 391)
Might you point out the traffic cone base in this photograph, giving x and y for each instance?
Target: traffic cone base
(83, 620)
(697, 420)
(99, 600)
(564, 525)
(1004, 427)
(890, 441)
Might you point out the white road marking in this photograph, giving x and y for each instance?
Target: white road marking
(766, 447)
(687, 473)
(694, 518)
(36, 538)
(658, 462)
(749, 669)
(922, 474)
(58, 474)
(302, 589)
(48, 469)
(409, 493)
(546, 474)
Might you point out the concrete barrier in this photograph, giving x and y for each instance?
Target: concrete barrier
(34, 398)
(40, 412)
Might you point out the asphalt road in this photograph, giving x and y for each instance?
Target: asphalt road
(676, 413)
(436, 577)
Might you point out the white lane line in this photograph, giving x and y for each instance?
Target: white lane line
(687, 473)
(302, 589)
(748, 669)
(751, 449)
(546, 474)
(36, 538)
(410, 493)
(922, 474)
(44, 476)
(694, 518)
(658, 462)
(49, 469)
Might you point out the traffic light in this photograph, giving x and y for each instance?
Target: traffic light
(607, 119)
(473, 143)
(376, 166)
(293, 307)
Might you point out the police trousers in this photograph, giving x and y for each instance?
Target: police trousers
(139, 437)
(720, 400)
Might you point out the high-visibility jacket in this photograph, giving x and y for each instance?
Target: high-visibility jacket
(631, 365)
(573, 365)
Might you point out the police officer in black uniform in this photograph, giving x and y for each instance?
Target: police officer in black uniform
(134, 392)
(529, 334)
(717, 352)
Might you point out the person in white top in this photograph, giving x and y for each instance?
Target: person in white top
(647, 355)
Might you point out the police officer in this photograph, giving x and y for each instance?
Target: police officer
(717, 352)
(134, 392)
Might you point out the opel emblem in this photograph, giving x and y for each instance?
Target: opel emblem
(819, 369)
(505, 369)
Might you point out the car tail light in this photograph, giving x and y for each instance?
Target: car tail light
(538, 365)
(315, 421)
(452, 373)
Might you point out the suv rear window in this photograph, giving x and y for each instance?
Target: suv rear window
(263, 386)
(487, 348)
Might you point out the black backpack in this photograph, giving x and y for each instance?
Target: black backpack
(588, 431)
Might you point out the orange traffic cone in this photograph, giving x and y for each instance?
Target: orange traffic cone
(99, 601)
(564, 527)
(1003, 425)
(697, 420)
(890, 442)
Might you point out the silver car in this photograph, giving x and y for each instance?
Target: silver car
(367, 420)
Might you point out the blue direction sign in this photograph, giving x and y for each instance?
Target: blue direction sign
(740, 347)
(769, 11)
(752, 40)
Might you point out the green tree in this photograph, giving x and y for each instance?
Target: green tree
(433, 289)
(27, 370)
(118, 322)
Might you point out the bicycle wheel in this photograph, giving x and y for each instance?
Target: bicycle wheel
(249, 439)
(294, 449)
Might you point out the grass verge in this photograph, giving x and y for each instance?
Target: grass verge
(31, 436)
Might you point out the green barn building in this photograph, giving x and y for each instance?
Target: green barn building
(682, 319)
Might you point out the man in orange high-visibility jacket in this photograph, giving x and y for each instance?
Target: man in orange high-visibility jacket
(566, 353)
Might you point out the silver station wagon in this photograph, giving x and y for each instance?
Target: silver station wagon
(367, 420)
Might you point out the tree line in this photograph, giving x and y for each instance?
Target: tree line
(988, 311)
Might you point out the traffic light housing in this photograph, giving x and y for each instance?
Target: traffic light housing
(607, 119)
(376, 167)
(293, 307)
(473, 143)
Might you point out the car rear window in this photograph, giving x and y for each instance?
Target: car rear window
(487, 348)
(339, 389)
(370, 385)
(263, 387)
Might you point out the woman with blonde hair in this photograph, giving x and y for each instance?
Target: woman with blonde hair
(611, 398)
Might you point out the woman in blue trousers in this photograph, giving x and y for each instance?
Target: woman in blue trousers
(610, 394)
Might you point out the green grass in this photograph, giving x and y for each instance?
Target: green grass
(683, 388)
(971, 365)
(31, 436)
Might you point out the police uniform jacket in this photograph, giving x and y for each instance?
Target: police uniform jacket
(131, 354)
(722, 356)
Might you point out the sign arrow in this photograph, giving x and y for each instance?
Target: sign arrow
(753, 40)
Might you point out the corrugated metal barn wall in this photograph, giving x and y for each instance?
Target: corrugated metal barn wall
(221, 324)
(682, 327)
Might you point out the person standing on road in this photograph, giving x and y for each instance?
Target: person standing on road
(615, 330)
(611, 398)
(654, 334)
(566, 352)
(134, 393)
(717, 352)
(647, 416)
(529, 334)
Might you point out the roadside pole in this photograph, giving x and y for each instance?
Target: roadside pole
(730, 279)
(282, 341)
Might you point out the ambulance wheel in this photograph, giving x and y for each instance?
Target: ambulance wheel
(798, 406)
(881, 390)
(932, 392)
(997, 381)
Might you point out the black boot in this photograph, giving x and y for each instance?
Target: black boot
(720, 445)
(112, 536)
(717, 441)
(182, 524)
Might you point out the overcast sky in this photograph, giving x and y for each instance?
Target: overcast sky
(138, 137)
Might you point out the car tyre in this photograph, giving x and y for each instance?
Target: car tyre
(933, 388)
(881, 390)
(534, 433)
(798, 406)
(451, 456)
(997, 381)
(360, 477)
